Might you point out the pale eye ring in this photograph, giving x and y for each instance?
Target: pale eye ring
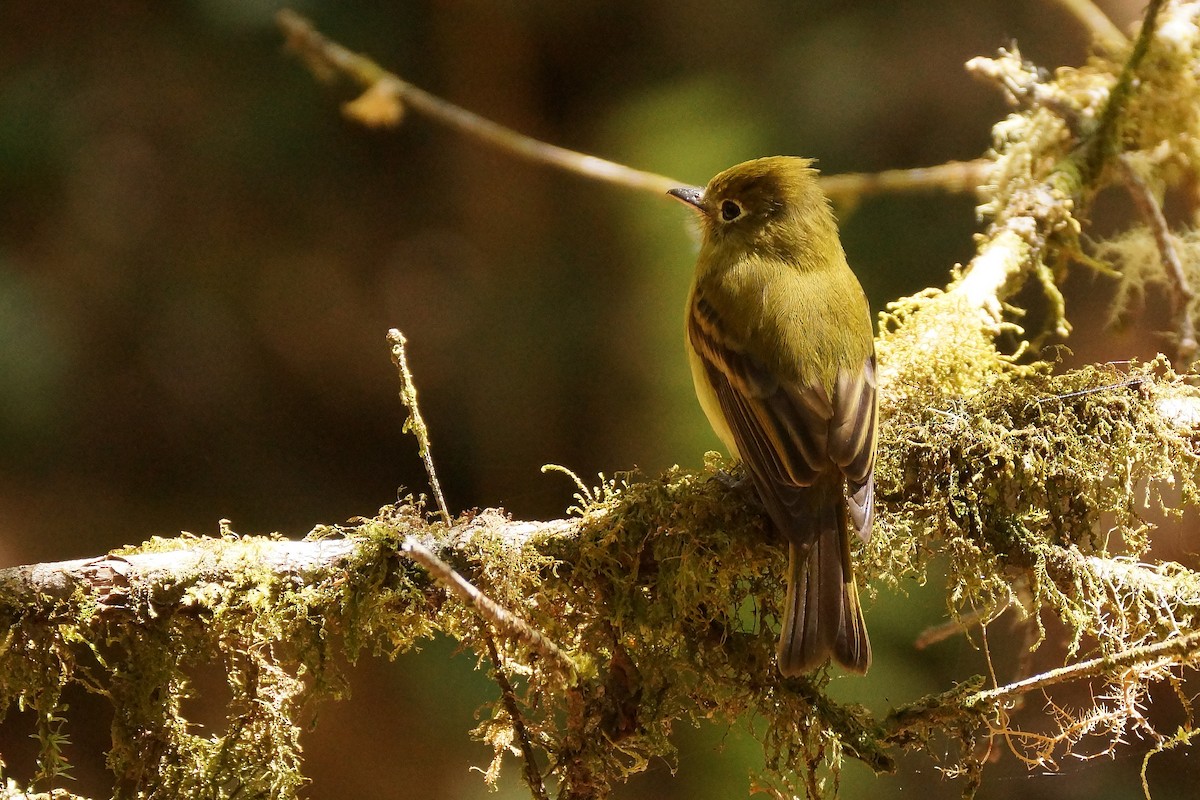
(730, 210)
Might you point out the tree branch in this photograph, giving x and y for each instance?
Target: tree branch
(495, 615)
(326, 57)
(385, 96)
(157, 573)
(1177, 651)
(1095, 20)
(1182, 294)
(533, 777)
(642, 590)
(662, 595)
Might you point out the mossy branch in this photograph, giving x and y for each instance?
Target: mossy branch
(645, 593)
(656, 605)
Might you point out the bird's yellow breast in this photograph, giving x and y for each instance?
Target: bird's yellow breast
(802, 325)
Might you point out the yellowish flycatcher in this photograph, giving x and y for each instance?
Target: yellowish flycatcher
(782, 353)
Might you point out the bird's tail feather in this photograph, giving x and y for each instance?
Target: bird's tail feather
(822, 616)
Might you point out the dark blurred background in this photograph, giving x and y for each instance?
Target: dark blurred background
(199, 258)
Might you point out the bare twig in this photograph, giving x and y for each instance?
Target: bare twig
(1105, 31)
(385, 97)
(414, 423)
(327, 56)
(503, 620)
(952, 627)
(1182, 293)
(1174, 651)
(532, 776)
(953, 176)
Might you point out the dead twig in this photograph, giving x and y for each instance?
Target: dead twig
(533, 777)
(953, 176)
(414, 423)
(386, 96)
(326, 57)
(1106, 33)
(1182, 293)
(506, 622)
(1174, 651)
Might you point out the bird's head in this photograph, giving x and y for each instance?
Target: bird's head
(771, 205)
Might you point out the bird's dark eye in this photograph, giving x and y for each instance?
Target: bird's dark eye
(730, 210)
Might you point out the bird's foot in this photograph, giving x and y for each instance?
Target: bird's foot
(735, 478)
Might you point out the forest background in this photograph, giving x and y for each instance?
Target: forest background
(199, 258)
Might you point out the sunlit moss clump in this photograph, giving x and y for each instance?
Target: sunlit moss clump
(1135, 254)
(665, 596)
(1035, 485)
(663, 593)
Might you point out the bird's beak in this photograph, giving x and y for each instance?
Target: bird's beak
(692, 195)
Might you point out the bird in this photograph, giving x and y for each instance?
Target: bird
(782, 353)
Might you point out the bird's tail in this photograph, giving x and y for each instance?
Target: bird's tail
(822, 616)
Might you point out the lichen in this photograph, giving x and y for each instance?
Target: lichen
(664, 593)
(1040, 483)
(1034, 489)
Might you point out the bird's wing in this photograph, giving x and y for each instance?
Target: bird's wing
(852, 440)
(790, 435)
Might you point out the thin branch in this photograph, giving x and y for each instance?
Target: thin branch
(953, 176)
(386, 96)
(408, 395)
(934, 634)
(327, 56)
(512, 625)
(1103, 29)
(532, 776)
(1182, 737)
(1177, 650)
(1101, 147)
(1182, 293)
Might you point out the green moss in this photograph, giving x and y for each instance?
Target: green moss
(664, 593)
(1033, 478)
(1033, 488)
